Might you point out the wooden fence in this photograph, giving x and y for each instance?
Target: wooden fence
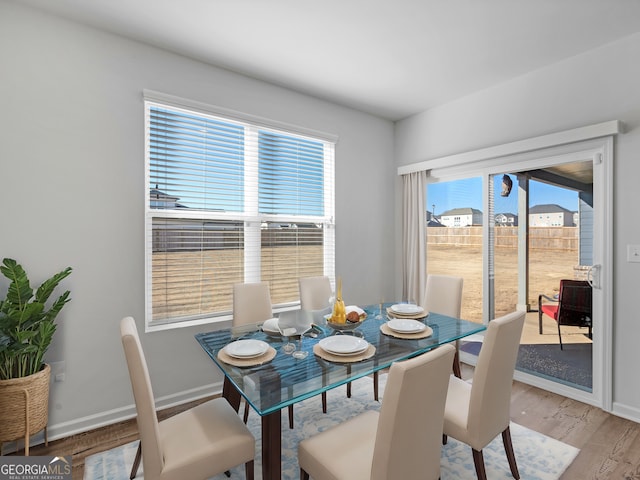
(544, 238)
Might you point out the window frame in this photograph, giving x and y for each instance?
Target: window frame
(250, 215)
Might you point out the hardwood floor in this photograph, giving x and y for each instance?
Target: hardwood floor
(610, 446)
(83, 445)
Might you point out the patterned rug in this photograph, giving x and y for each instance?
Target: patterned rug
(539, 457)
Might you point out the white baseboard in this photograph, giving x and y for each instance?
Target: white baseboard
(625, 411)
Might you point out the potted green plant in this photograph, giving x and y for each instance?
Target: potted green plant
(27, 325)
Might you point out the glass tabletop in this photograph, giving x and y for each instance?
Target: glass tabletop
(286, 380)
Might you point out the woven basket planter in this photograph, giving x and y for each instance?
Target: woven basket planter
(24, 406)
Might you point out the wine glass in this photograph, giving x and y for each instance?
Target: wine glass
(300, 353)
(379, 314)
(289, 347)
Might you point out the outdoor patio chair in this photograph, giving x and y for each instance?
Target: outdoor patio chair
(572, 307)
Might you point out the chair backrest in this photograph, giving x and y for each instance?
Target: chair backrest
(143, 394)
(443, 295)
(251, 303)
(574, 302)
(489, 406)
(409, 436)
(314, 292)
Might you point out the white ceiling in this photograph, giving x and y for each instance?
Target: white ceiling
(392, 58)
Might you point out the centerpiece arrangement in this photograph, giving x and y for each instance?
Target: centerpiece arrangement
(344, 317)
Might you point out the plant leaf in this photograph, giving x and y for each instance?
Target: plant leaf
(19, 292)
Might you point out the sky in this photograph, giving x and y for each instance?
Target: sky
(468, 193)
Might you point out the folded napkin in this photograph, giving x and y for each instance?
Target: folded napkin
(300, 320)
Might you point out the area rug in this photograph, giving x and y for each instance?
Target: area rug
(539, 457)
(571, 366)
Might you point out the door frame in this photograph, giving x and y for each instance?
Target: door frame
(593, 143)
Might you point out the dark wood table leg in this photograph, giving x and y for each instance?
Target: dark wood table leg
(271, 435)
(456, 361)
(231, 394)
(271, 446)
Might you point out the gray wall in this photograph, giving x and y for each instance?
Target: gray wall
(598, 86)
(72, 194)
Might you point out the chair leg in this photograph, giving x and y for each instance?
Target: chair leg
(349, 390)
(539, 320)
(227, 473)
(304, 475)
(248, 470)
(508, 448)
(375, 386)
(324, 402)
(291, 417)
(478, 461)
(560, 336)
(245, 417)
(136, 462)
(444, 439)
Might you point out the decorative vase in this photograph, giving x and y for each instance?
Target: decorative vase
(339, 313)
(24, 407)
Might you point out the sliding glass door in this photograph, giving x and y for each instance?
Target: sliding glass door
(514, 228)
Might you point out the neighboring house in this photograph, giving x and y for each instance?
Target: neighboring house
(160, 199)
(432, 220)
(550, 215)
(461, 217)
(506, 220)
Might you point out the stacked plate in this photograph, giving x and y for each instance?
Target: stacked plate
(246, 348)
(406, 310)
(404, 325)
(343, 345)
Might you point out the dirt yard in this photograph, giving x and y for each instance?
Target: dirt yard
(547, 267)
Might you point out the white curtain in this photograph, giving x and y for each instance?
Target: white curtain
(414, 252)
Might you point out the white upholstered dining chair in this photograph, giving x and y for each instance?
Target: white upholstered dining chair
(475, 413)
(252, 304)
(315, 292)
(443, 295)
(402, 441)
(197, 443)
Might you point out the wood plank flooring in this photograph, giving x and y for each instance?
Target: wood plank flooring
(610, 446)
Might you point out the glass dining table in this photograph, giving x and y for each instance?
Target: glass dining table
(285, 380)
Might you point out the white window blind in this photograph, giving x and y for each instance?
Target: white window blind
(230, 202)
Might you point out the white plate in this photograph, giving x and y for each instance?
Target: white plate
(246, 348)
(407, 308)
(406, 326)
(343, 345)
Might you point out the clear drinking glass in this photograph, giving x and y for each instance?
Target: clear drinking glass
(300, 353)
(289, 347)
